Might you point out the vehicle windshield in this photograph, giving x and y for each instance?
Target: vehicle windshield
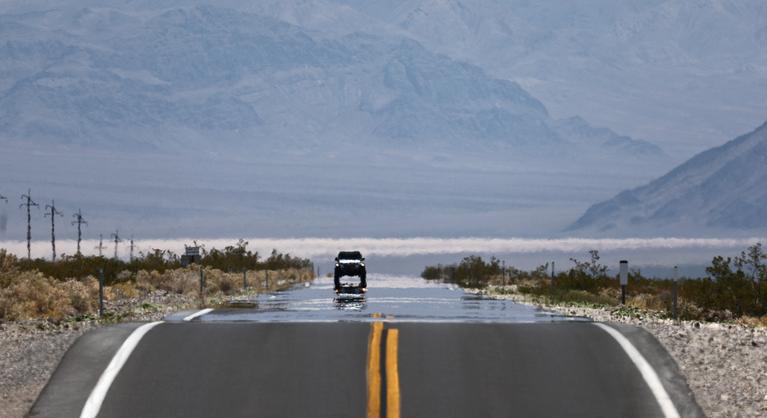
(349, 255)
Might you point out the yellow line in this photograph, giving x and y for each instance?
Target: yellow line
(374, 371)
(392, 374)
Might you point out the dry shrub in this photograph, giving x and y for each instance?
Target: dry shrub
(144, 281)
(227, 283)
(170, 280)
(83, 295)
(32, 295)
(7, 261)
(217, 281)
(181, 281)
(184, 281)
(122, 290)
(8, 268)
(647, 301)
(159, 280)
(753, 321)
(610, 293)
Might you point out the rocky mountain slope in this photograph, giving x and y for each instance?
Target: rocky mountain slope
(723, 187)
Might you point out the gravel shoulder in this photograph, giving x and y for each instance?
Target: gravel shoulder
(31, 350)
(725, 364)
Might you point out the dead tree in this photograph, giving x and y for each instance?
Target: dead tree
(53, 212)
(117, 240)
(79, 221)
(28, 203)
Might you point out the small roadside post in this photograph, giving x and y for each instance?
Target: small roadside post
(624, 278)
(267, 279)
(503, 272)
(202, 286)
(244, 278)
(674, 294)
(101, 293)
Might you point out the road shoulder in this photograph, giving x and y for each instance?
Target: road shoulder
(78, 371)
(665, 366)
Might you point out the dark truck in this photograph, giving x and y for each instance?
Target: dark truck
(350, 263)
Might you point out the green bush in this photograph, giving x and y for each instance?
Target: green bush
(232, 258)
(734, 287)
(472, 272)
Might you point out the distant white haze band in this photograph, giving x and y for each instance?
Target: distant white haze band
(325, 247)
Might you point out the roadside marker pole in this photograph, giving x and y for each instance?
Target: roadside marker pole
(624, 277)
(101, 292)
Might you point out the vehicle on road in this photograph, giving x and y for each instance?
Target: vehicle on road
(350, 263)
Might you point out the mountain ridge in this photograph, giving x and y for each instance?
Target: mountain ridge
(722, 187)
(180, 76)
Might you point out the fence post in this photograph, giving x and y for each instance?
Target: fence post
(674, 294)
(244, 278)
(624, 278)
(553, 279)
(202, 286)
(503, 273)
(101, 293)
(267, 280)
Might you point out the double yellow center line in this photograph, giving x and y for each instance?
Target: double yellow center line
(374, 372)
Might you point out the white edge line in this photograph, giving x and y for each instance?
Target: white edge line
(99, 392)
(198, 313)
(648, 373)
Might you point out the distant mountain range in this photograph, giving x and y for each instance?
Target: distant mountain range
(352, 118)
(679, 72)
(207, 77)
(722, 188)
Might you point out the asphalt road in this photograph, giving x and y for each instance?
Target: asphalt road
(366, 369)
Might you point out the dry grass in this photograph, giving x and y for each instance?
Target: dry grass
(753, 321)
(651, 302)
(31, 294)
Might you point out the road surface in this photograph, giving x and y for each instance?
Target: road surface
(372, 366)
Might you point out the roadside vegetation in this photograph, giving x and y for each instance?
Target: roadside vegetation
(733, 288)
(69, 288)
